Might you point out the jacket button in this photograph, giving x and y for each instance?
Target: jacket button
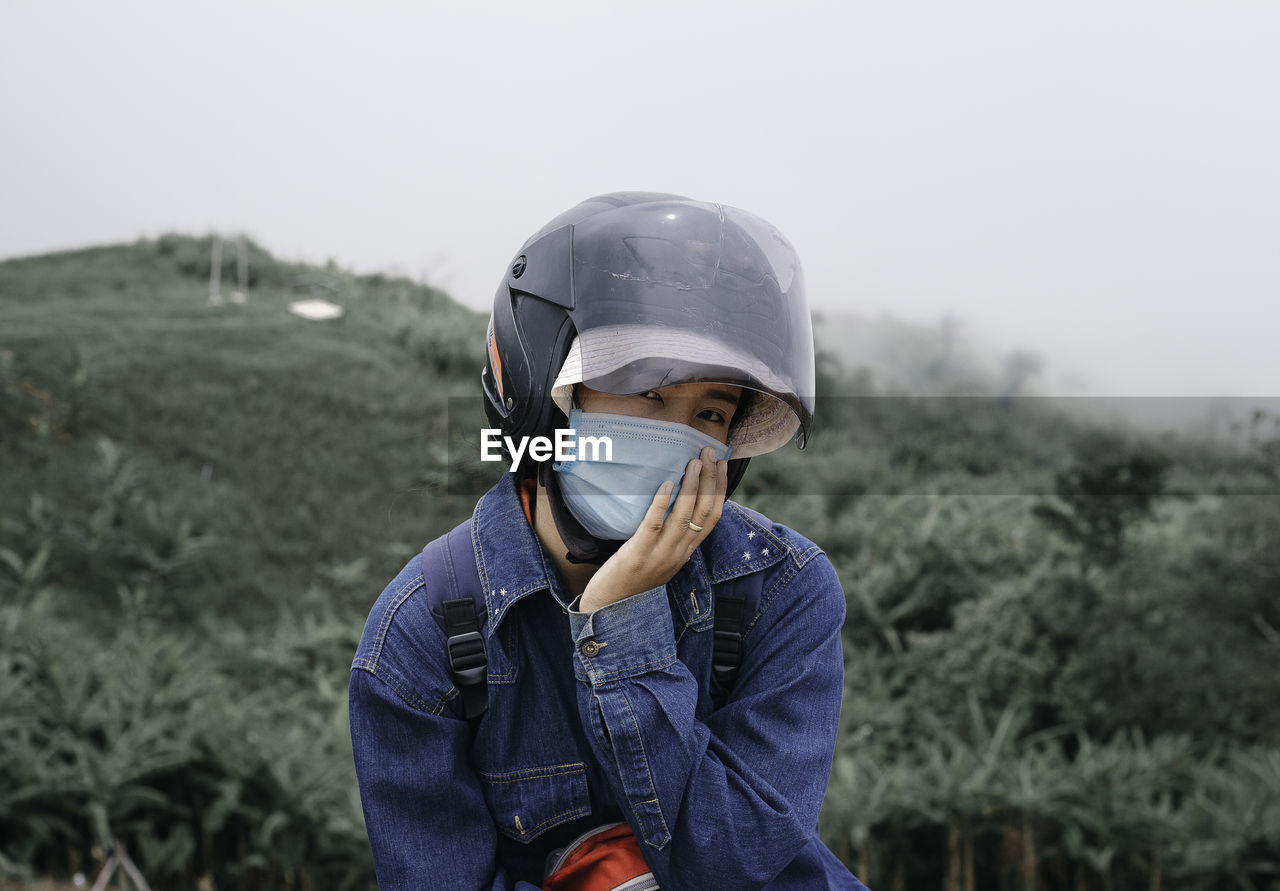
(590, 648)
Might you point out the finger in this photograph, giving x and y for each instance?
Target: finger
(682, 510)
(707, 484)
(657, 511)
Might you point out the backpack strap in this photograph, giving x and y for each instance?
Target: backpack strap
(726, 649)
(737, 600)
(461, 614)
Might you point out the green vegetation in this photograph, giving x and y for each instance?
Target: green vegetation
(1060, 647)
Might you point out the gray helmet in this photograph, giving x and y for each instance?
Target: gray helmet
(633, 291)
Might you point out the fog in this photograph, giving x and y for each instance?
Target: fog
(1092, 181)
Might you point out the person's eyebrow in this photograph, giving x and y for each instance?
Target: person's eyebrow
(727, 395)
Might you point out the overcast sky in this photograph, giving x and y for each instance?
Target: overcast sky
(1097, 181)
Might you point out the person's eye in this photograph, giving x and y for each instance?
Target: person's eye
(652, 394)
(713, 416)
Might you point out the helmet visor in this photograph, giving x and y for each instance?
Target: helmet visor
(694, 293)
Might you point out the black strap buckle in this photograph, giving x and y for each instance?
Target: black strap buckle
(726, 656)
(726, 645)
(467, 658)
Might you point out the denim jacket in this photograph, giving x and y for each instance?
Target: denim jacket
(604, 716)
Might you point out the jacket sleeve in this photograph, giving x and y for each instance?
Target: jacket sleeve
(424, 809)
(732, 801)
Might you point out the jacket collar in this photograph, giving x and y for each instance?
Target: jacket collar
(509, 557)
(513, 564)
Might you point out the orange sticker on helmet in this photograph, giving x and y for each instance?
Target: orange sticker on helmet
(495, 362)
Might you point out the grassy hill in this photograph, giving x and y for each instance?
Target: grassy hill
(248, 448)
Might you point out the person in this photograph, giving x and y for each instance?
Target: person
(678, 331)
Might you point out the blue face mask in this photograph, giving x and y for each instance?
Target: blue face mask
(610, 498)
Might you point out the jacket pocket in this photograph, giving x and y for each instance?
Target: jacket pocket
(526, 803)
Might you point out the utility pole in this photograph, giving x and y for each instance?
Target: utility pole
(215, 273)
(241, 293)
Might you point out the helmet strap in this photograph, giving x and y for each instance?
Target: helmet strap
(737, 467)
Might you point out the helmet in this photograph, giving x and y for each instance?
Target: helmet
(632, 291)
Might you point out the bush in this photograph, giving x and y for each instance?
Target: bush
(219, 758)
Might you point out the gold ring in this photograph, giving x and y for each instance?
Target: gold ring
(694, 526)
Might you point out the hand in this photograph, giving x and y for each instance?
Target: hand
(660, 547)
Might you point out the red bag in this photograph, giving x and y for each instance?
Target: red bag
(607, 858)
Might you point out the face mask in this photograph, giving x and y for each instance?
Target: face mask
(610, 498)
